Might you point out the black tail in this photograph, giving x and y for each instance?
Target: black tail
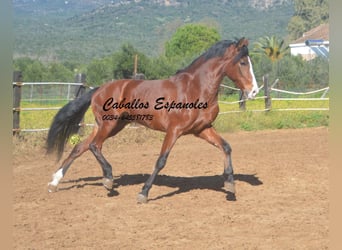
(66, 122)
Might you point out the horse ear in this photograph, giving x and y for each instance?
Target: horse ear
(242, 42)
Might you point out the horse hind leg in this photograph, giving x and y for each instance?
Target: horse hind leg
(77, 151)
(95, 147)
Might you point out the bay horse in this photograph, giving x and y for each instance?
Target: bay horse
(186, 103)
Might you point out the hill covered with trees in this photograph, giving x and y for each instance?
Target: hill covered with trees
(79, 31)
(54, 40)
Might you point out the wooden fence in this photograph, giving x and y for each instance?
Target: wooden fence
(80, 84)
(270, 89)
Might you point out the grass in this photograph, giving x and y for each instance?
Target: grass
(273, 119)
(247, 120)
(231, 122)
(43, 118)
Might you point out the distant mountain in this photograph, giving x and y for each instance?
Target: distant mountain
(86, 5)
(80, 30)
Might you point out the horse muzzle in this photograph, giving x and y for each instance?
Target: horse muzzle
(252, 93)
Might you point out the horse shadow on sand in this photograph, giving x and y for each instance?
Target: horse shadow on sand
(184, 184)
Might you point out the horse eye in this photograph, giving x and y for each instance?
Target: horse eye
(243, 63)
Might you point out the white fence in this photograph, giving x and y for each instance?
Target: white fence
(71, 90)
(46, 92)
(269, 91)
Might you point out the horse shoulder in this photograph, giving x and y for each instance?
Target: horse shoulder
(182, 77)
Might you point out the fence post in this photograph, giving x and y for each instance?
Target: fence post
(80, 90)
(242, 101)
(268, 99)
(17, 79)
(80, 78)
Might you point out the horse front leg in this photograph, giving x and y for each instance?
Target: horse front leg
(211, 136)
(169, 141)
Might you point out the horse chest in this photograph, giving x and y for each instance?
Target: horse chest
(203, 119)
(210, 114)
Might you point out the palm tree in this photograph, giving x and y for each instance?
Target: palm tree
(273, 47)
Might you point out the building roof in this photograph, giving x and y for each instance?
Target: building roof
(319, 32)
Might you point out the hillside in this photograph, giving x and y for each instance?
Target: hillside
(82, 30)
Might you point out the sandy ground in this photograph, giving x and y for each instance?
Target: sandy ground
(281, 182)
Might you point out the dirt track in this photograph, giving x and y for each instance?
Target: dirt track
(282, 195)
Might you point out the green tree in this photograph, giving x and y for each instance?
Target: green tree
(266, 54)
(297, 74)
(160, 68)
(58, 72)
(99, 71)
(191, 39)
(308, 14)
(35, 72)
(272, 47)
(318, 71)
(21, 64)
(123, 62)
(291, 72)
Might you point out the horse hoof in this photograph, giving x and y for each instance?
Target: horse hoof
(230, 187)
(142, 199)
(108, 183)
(52, 188)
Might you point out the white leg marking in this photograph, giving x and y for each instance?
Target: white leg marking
(255, 89)
(56, 177)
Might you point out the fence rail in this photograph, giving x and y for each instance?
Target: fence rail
(268, 99)
(18, 84)
(81, 84)
(299, 93)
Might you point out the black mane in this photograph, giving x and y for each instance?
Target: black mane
(217, 50)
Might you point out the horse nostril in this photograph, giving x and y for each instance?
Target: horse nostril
(252, 93)
(255, 92)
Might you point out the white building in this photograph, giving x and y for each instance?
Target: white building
(313, 43)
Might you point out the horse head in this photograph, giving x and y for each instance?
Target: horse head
(239, 68)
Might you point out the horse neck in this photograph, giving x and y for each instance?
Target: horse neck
(210, 76)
